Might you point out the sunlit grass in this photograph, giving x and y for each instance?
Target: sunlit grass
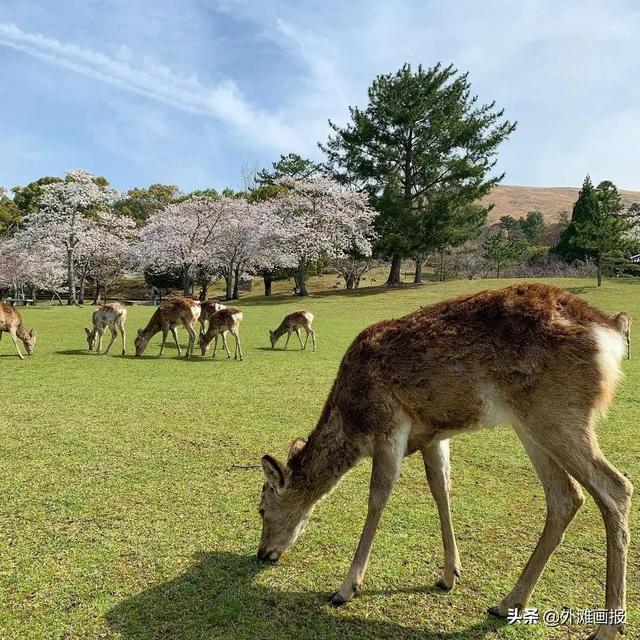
(122, 514)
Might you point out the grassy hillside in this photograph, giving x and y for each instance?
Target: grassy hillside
(550, 201)
(129, 501)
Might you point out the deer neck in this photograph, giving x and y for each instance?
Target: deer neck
(327, 456)
(22, 333)
(280, 331)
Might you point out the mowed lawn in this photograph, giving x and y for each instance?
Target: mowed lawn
(127, 510)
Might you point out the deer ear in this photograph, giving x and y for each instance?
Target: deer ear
(296, 447)
(32, 333)
(274, 472)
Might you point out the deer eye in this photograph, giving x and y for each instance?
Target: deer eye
(261, 512)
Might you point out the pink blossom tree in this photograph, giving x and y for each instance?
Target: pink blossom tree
(320, 219)
(65, 215)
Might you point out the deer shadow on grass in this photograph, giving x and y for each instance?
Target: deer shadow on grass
(218, 597)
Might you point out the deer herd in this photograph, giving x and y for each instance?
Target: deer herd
(530, 355)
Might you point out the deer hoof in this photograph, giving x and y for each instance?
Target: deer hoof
(337, 600)
(442, 584)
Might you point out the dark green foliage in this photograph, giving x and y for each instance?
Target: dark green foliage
(503, 251)
(584, 209)
(421, 141)
(9, 213)
(27, 198)
(290, 166)
(532, 228)
(140, 204)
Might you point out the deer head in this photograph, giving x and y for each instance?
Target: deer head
(273, 338)
(140, 343)
(283, 509)
(29, 341)
(204, 344)
(91, 338)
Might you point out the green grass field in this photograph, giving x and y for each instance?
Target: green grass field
(126, 510)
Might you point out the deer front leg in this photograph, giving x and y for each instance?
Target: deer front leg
(387, 460)
(299, 339)
(287, 342)
(174, 333)
(100, 334)
(165, 332)
(438, 470)
(14, 337)
(215, 346)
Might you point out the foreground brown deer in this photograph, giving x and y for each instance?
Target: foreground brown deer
(168, 316)
(208, 308)
(530, 355)
(293, 323)
(11, 323)
(112, 315)
(227, 319)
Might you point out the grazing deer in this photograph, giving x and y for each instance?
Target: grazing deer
(112, 315)
(168, 316)
(209, 307)
(226, 319)
(293, 323)
(530, 355)
(11, 323)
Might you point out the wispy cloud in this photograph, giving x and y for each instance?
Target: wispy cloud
(223, 101)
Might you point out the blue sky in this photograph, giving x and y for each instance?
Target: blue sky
(188, 91)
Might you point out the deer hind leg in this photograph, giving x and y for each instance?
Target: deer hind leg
(238, 352)
(192, 341)
(564, 498)
(114, 335)
(224, 344)
(14, 337)
(576, 450)
(174, 333)
(299, 339)
(387, 462)
(437, 470)
(313, 338)
(124, 337)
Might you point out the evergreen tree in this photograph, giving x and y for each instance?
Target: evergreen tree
(422, 137)
(503, 251)
(606, 230)
(290, 166)
(584, 209)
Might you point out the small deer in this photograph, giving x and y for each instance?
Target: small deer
(209, 307)
(11, 323)
(292, 323)
(530, 355)
(112, 315)
(168, 316)
(227, 319)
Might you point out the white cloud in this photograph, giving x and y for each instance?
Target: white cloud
(222, 101)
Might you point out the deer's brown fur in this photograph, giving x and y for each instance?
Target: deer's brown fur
(530, 355)
(112, 315)
(226, 319)
(168, 316)
(292, 323)
(11, 323)
(208, 308)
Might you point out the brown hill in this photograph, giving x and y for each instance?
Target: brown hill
(550, 201)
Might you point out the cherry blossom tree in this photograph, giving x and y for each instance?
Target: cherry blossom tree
(179, 236)
(66, 214)
(321, 219)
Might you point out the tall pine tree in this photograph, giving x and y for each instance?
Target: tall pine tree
(422, 137)
(584, 209)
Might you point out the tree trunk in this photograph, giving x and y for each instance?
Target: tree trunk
(98, 294)
(71, 282)
(83, 280)
(33, 295)
(599, 269)
(186, 285)
(350, 281)
(442, 265)
(301, 279)
(236, 283)
(204, 286)
(497, 269)
(417, 278)
(268, 279)
(394, 272)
